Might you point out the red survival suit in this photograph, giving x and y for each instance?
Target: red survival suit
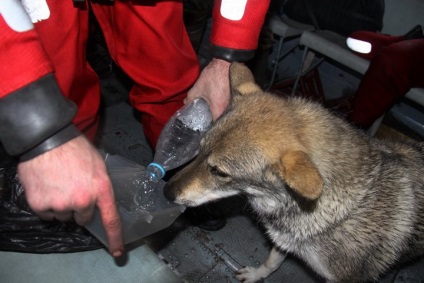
(396, 66)
(42, 64)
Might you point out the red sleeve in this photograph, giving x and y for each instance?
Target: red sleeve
(22, 58)
(239, 34)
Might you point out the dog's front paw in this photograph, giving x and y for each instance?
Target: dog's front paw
(250, 274)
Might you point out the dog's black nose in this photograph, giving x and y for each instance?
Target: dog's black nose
(169, 194)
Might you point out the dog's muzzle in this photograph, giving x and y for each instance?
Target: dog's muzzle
(169, 193)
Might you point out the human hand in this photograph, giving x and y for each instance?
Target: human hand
(70, 181)
(213, 85)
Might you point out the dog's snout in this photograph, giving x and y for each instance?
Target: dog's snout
(169, 194)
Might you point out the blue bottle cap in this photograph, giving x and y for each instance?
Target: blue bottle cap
(153, 164)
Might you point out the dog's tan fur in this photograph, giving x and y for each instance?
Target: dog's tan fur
(348, 205)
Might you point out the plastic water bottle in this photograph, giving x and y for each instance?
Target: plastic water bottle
(178, 143)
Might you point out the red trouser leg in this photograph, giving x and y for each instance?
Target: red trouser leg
(396, 69)
(150, 43)
(64, 36)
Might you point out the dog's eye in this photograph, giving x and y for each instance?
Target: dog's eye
(217, 172)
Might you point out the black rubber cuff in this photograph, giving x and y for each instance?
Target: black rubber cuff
(231, 55)
(66, 134)
(36, 118)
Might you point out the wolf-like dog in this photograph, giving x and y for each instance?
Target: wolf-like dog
(349, 205)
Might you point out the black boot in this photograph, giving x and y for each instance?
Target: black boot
(207, 217)
(415, 32)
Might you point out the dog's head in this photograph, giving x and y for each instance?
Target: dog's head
(255, 148)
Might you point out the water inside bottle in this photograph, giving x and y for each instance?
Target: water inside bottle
(177, 144)
(182, 147)
(144, 198)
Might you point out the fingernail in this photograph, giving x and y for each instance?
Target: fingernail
(117, 253)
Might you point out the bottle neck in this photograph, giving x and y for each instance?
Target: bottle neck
(156, 171)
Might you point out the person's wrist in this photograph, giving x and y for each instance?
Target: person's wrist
(35, 115)
(61, 137)
(221, 62)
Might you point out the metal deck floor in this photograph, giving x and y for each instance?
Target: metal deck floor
(203, 256)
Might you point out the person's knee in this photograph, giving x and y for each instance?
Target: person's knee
(392, 61)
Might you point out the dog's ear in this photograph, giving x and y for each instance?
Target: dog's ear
(300, 173)
(242, 81)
